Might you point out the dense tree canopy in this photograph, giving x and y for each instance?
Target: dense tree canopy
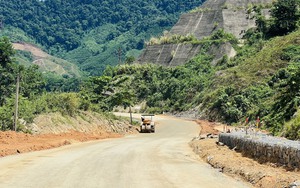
(286, 14)
(6, 69)
(285, 18)
(95, 27)
(31, 82)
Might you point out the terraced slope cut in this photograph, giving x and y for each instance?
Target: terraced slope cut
(229, 15)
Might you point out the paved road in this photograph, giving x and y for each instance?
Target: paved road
(163, 159)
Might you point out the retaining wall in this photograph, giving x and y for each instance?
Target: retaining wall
(265, 148)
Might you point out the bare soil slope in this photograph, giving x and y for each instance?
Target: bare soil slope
(36, 52)
(47, 62)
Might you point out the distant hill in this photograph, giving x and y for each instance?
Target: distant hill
(90, 32)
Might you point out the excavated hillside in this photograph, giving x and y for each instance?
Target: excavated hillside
(230, 15)
(45, 61)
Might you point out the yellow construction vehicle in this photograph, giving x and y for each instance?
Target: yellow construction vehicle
(147, 124)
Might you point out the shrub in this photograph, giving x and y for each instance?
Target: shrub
(6, 118)
(67, 103)
(292, 130)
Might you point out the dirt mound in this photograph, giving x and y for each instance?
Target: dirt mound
(234, 164)
(209, 127)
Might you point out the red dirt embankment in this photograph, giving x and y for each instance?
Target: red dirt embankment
(55, 130)
(13, 143)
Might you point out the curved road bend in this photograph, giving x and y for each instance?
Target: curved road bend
(159, 160)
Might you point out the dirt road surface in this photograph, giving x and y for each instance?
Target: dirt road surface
(163, 159)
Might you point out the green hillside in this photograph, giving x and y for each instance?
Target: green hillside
(255, 83)
(90, 32)
(262, 80)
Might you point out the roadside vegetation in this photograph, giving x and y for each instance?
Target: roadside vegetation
(262, 80)
(38, 94)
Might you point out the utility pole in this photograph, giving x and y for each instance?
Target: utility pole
(17, 102)
(130, 115)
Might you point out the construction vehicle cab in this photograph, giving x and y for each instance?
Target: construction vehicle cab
(147, 124)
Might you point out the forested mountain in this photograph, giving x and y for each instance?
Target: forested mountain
(90, 32)
(261, 80)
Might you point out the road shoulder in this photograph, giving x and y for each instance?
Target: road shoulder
(234, 164)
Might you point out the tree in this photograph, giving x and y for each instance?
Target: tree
(31, 85)
(7, 77)
(129, 60)
(107, 92)
(32, 81)
(261, 21)
(6, 52)
(286, 15)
